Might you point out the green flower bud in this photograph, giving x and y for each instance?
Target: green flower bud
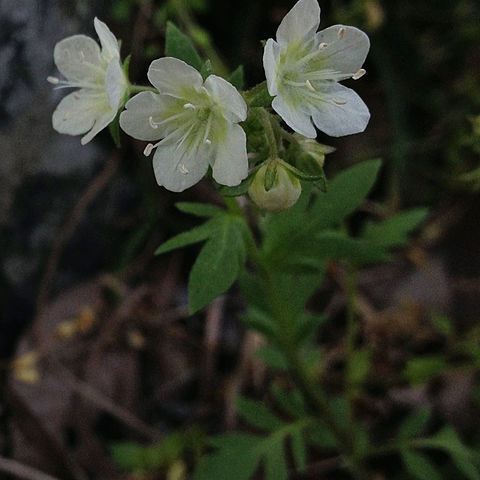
(283, 192)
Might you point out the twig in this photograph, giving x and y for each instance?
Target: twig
(105, 403)
(19, 470)
(90, 193)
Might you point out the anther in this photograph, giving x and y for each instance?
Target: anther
(182, 169)
(152, 123)
(359, 74)
(53, 80)
(208, 141)
(339, 101)
(309, 85)
(341, 32)
(148, 149)
(189, 106)
(323, 45)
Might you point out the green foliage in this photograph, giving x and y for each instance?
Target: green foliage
(218, 264)
(237, 456)
(200, 209)
(420, 370)
(420, 466)
(178, 45)
(414, 424)
(134, 457)
(393, 231)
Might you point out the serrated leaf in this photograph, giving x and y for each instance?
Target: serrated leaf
(415, 423)
(258, 415)
(394, 231)
(178, 45)
(218, 264)
(420, 466)
(273, 357)
(200, 209)
(195, 235)
(237, 78)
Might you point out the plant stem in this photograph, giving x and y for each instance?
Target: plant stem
(269, 132)
(141, 88)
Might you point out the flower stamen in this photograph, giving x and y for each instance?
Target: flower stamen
(339, 101)
(322, 45)
(189, 106)
(152, 123)
(309, 85)
(341, 32)
(359, 74)
(53, 80)
(148, 149)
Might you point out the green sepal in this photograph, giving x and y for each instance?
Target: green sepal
(237, 78)
(207, 69)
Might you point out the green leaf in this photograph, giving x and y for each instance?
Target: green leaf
(195, 235)
(178, 45)
(415, 423)
(323, 438)
(447, 439)
(200, 209)
(237, 458)
(275, 462)
(420, 466)
(258, 415)
(358, 366)
(466, 467)
(273, 357)
(218, 264)
(261, 321)
(237, 78)
(346, 192)
(299, 450)
(307, 325)
(422, 369)
(291, 402)
(394, 231)
(239, 190)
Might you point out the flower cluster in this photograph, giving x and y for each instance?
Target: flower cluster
(196, 122)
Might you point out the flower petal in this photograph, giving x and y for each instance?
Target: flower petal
(344, 52)
(295, 118)
(233, 105)
(178, 169)
(100, 123)
(342, 112)
(110, 47)
(115, 83)
(271, 57)
(76, 113)
(301, 21)
(78, 59)
(135, 119)
(230, 166)
(172, 76)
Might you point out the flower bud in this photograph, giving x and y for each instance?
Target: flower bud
(283, 193)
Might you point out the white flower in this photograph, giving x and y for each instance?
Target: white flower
(303, 69)
(99, 76)
(196, 121)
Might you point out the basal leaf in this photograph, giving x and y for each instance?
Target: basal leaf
(218, 264)
(178, 45)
